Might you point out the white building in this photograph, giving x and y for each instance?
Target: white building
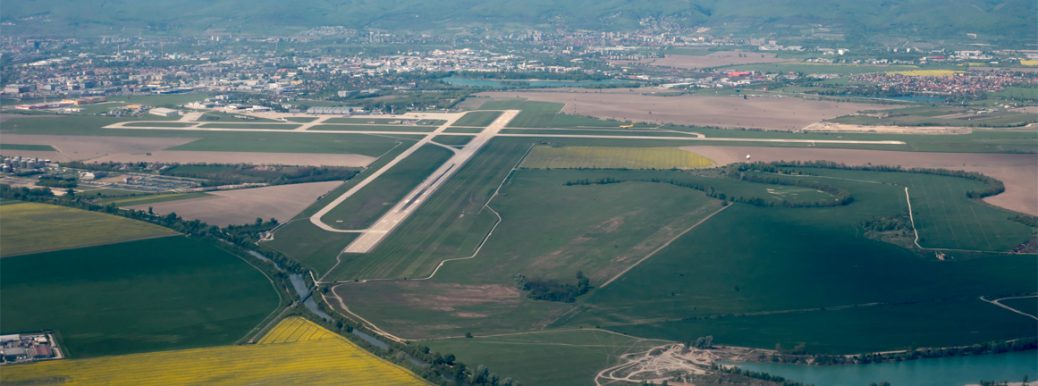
(164, 112)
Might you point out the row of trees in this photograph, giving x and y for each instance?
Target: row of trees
(553, 290)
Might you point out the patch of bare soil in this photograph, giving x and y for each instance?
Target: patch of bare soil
(1019, 172)
(243, 206)
(78, 148)
(448, 297)
(769, 112)
(234, 157)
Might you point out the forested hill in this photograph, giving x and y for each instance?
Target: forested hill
(993, 20)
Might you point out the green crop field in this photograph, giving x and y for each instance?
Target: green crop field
(369, 203)
(452, 140)
(586, 157)
(570, 357)
(301, 119)
(478, 118)
(18, 146)
(139, 296)
(32, 227)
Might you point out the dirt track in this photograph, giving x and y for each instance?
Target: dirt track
(761, 112)
(1019, 172)
(243, 206)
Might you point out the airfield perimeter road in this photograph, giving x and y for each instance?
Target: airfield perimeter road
(369, 238)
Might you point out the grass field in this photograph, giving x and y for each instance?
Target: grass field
(451, 224)
(545, 357)
(296, 351)
(369, 203)
(31, 227)
(388, 121)
(156, 294)
(581, 157)
(386, 128)
(549, 231)
(159, 124)
(1027, 305)
(788, 273)
(544, 115)
(452, 140)
(301, 119)
(478, 118)
(17, 146)
(293, 143)
(249, 125)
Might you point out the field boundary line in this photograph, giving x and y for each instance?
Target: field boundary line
(666, 244)
(998, 303)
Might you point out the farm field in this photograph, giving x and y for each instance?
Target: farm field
(296, 351)
(369, 203)
(156, 294)
(536, 114)
(244, 206)
(580, 157)
(478, 118)
(570, 357)
(241, 157)
(69, 148)
(761, 112)
(32, 227)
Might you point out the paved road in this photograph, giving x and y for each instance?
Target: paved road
(372, 236)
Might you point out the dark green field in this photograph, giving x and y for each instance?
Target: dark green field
(452, 140)
(159, 124)
(1027, 305)
(250, 125)
(369, 203)
(139, 296)
(478, 118)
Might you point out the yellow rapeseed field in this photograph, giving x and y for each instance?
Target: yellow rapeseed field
(1029, 62)
(296, 352)
(927, 72)
(572, 157)
(30, 227)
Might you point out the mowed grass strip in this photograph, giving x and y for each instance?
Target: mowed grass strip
(32, 227)
(319, 357)
(588, 157)
(478, 118)
(139, 296)
(152, 198)
(249, 125)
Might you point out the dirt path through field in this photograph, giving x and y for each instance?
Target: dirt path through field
(1019, 172)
